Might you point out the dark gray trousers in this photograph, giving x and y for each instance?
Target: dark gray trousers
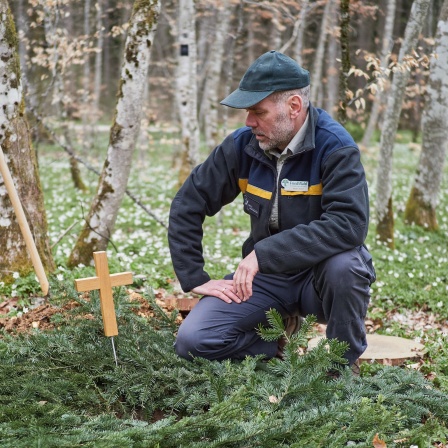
(336, 291)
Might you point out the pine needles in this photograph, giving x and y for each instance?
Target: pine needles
(62, 389)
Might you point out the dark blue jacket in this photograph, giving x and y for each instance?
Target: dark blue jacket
(328, 212)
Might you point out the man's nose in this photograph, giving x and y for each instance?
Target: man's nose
(250, 120)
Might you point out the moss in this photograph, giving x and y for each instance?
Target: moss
(115, 132)
(83, 251)
(13, 42)
(419, 212)
(385, 227)
(148, 8)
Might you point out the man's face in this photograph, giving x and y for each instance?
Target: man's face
(271, 123)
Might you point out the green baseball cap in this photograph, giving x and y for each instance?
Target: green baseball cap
(271, 72)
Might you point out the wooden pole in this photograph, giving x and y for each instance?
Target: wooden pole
(23, 223)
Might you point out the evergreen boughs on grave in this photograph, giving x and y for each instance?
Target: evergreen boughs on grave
(62, 389)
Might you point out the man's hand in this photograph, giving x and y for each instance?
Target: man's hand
(244, 276)
(223, 289)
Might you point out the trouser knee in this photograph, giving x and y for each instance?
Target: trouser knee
(344, 281)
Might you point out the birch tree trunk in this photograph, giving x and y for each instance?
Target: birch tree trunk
(209, 109)
(187, 89)
(21, 159)
(301, 23)
(86, 119)
(297, 34)
(424, 196)
(332, 69)
(316, 86)
(275, 39)
(384, 208)
(103, 212)
(98, 58)
(230, 60)
(385, 50)
(22, 25)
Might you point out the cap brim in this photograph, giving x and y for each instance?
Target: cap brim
(242, 99)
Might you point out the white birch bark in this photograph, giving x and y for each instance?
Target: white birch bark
(316, 85)
(22, 28)
(86, 119)
(425, 195)
(276, 30)
(21, 160)
(298, 47)
(297, 34)
(187, 87)
(385, 51)
(123, 135)
(52, 16)
(212, 82)
(392, 115)
(230, 58)
(332, 67)
(98, 58)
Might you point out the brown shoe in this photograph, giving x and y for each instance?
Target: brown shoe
(356, 370)
(292, 324)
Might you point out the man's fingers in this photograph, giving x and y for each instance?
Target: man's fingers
(228, 295)
(248, 287)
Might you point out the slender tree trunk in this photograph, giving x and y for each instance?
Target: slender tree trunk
(276, 35)
(385, 50)
(22, 26)
(210, 103)
(298, 47)
(332, 69)
(345, 60)
(187, 89)
(297, 29)
(229, 65)
(316, 85)
(101, 219)
(250, 38)
(98, 59)
(389, 129)
(86, 118)
(424, 197)
(51, 22)
(52, 19)
(75, 172)
(21, 158)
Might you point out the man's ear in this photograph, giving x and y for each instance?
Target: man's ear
(295, 105)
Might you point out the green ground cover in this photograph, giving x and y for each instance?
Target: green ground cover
(61, 387)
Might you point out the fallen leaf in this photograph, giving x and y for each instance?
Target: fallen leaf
(378, 443)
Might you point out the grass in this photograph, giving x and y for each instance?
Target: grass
(67, 392)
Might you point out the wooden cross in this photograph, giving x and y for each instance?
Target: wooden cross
(104, 282)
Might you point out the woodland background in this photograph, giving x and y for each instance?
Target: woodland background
(125, 95)
(369, 64)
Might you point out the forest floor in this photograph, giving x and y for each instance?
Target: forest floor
(81, 398)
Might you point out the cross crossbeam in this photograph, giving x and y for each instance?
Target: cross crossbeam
(104, 282)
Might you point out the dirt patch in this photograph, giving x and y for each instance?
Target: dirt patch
(39, 315)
